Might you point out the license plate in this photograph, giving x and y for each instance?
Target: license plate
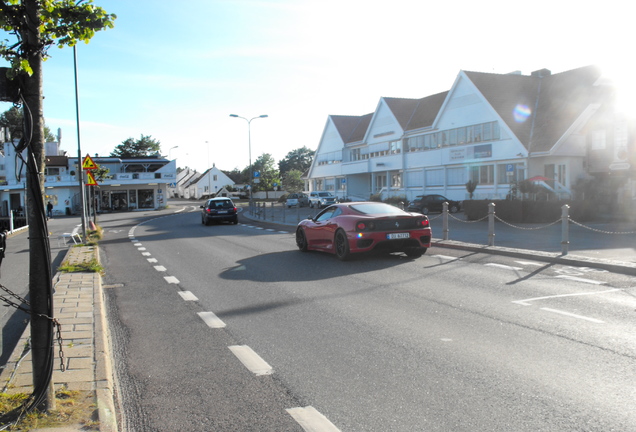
(394, 236)
(222, 212)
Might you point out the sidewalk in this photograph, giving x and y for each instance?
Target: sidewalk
(79, 308)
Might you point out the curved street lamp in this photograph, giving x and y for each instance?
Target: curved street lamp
(249, 143)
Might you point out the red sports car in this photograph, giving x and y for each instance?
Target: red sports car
(347, 228)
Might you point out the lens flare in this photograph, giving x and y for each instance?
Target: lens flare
(521, 113)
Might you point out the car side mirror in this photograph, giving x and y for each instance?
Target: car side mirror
(200, 206)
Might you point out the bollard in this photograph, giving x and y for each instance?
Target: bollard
(445, 221)
(491, 224)
(11, 214)
(565, 229)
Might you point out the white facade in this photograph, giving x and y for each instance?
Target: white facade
(204, 185)
(436, 144)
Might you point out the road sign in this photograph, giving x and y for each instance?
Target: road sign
(257, 174)
(90, 180)
(88, 163)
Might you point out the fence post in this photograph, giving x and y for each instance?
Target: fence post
(11, 220)
(445, 221)
(491, 224)
(565, 229)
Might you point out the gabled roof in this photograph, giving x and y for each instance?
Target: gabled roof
(553, 102)
(352, 128)
(426, 111)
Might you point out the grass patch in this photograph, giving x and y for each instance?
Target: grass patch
(92, 266)
(94, 236)
(72, 408)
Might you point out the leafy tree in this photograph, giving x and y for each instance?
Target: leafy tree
(36, 25)
(13, 121)
(293, 181)
(268, 174)
(471, 185)
(238, 176)
(299, 159)
(144, 146)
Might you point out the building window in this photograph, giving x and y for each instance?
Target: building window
(502, 175)
(355, 154)
(396, 180)
(456, 176)
(435, 177)
(483, 174)
(146, 198)
(53, 171)
(215, 177)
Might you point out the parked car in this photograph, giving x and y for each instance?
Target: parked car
(426, 204)
(348, 228)
(219, 210)
(321, 199)
(297, 199)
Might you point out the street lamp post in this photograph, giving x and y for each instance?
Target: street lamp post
(169, 151)
(249, 143)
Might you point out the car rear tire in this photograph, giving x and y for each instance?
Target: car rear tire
(424, 210)
(414, 253)
(301, 240)
(341, 246)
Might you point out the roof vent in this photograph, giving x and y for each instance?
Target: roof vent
(541, 73)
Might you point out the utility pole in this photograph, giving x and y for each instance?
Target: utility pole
(39, 269)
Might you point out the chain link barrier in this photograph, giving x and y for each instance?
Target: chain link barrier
(528, 228)
(467, 221)
(56, 323)
(601, 231)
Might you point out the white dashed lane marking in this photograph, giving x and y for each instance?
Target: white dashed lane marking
(171, 279)
(211, 320)
(187, 296)
(160, 268)
(578, 279)
(152, 260)
(311, 420)
(252, 361)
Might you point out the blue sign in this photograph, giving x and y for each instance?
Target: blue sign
(510, 167)
(257, 174)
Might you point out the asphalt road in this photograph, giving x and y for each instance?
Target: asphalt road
(453, 341)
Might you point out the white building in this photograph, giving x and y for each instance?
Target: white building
(204, 185)
(133, 183)
(491, 128)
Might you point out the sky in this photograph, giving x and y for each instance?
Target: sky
(176, 70)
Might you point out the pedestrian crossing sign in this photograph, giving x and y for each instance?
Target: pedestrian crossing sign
(90, 180)
(88, 163)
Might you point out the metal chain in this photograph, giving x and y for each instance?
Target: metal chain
(600, 231)
(55, 321)
(527, 228)
(468, 221)
(433, 218)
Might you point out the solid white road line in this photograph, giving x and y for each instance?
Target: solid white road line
(578, 279)
(530, 263)
(171, 279)
(445, 257)
(187, 296)
(311, 420)
(252, 361)
(594, 320)
(211, 320)
(526, 302)
(503, 266)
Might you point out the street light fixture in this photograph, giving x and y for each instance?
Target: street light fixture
(171, 148)
(249, 143)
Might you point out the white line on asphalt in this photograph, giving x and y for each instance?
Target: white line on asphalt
(141, 248)
(252, 361)
(160, 268)
(171, 279)
(311, 420)
(503, 266)
(146, 253)
(152, 260)
(284, 232)
(531, 263)
(211, 320)
(187, 296)
(137, 244)
(526, 302)
(594, 320)
(578, 279)
(270, 230)
(445, 257)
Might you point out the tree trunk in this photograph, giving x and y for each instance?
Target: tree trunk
(39, 263)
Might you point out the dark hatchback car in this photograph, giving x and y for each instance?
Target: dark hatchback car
(218, 210)
(426, 204)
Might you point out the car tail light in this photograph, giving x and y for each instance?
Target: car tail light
(365, 226)
(424, 222)
(361, 226)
